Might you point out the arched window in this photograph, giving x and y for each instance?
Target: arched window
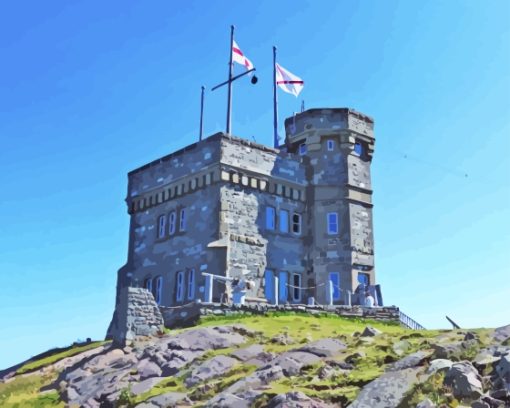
(191, 284)
(157, 286)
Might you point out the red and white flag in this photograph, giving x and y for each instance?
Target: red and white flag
(288, 82)
(238, 56)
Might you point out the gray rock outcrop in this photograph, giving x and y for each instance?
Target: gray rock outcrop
(464, 380)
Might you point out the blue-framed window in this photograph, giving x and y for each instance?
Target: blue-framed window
(182, 220)
(334, 277)
(191, 284)
(331, 145)
(284, 221)
(302, 149)
(296, 223)
(157, 286)
(296, 290)
(148, 284)
(332, 223)
(171, 221)
(364, 278)
(161, 226)
(360, 149)
(179, 286)
(270, 218)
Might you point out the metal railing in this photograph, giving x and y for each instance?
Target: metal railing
(409, 323)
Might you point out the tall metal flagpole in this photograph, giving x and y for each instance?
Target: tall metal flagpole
(202, 113)
(275, 101)
(230, 72)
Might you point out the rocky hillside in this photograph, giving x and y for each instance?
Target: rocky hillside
(274, 361)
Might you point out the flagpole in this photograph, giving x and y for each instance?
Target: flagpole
(230, 72)
(202, 113)
(275, 101)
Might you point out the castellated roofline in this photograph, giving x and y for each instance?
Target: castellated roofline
(323, 111)
(320, 122)
(212, 138)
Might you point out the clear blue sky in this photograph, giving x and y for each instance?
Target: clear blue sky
(91, 90)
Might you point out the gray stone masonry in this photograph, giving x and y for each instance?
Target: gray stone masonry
(292, 221)
(136, 314)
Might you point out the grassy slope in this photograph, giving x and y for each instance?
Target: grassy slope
(23, 391)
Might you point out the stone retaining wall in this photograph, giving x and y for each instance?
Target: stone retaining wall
(189, 314)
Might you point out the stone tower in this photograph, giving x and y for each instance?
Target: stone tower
(336, 147)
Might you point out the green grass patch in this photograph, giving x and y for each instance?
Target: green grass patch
(35, 365)
(24, 392)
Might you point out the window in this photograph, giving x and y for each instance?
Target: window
(364, 278)
(332, 223)
(182, 220)
(191, 284)
(147, 284)
(270, 218)
(269, 285)
(161, 226)
(296, 290)
(179, 286)
(331, 145)
(302, 149)
(359, 149)
(296, 223)
(171, 221)
(284, 221)
(157, 286)
(334, 277)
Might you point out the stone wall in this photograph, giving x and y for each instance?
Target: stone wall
(190, 314)
(136, 314)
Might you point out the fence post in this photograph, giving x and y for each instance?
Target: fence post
(208, 288)
(348, 297)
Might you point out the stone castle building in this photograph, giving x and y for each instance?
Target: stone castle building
(229, 207)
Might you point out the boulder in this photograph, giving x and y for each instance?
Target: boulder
(501, 334)
(227, 400)
(147, 369)
(169, 399)
(439, 365)
(370, 332)
(253, 355)
(245, 354)
(480, 404)
(214, 367)
(503, 370)
(243, 392)
(207, 338)
(324, 347)
(291, 362)
(388, 390)
(145, 385)
(412, 360)
(449, 351)
(296, 399)
(464, 380)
